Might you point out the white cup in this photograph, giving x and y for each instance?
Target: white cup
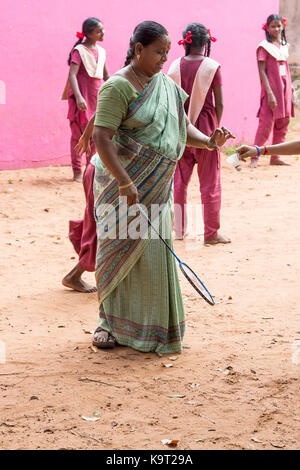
(234, 161)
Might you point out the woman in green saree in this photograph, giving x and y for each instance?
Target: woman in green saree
(140, 132)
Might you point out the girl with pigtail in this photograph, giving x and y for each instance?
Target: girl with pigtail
(87, 69)
(200, 77)
(276, 100)
(86, 74)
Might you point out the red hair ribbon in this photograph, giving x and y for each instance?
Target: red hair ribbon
(284, 21)
(80, 35)
(264, 26)
(210, 36)
(188, 39)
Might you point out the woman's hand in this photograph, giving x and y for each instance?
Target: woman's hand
(272, 101)
(81, 103)
(219, 137)
(131, 193)
(83, 146)
(246, 151)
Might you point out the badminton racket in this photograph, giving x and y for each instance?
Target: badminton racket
(188, 273)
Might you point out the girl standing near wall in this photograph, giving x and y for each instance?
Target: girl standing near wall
(276, 105)
(87, 71)
(200, 77)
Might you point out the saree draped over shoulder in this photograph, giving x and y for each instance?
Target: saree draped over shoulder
(137, 280)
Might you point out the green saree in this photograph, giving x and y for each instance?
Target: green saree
(137, 280)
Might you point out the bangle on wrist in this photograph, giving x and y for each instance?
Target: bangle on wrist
(266, 151)
(125, 186)
(258, 151)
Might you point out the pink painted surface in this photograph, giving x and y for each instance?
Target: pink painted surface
(38, 36)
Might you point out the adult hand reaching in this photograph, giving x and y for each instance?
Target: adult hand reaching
(246, 151)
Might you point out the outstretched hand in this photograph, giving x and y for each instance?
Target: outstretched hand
(219, 137)
(246, 151)
(83, 146)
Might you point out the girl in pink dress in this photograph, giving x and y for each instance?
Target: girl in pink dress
(87, 71)
(276, 104)
(200, 77)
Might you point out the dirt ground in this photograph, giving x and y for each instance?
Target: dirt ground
(238, 373)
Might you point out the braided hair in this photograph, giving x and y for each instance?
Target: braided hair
(200, 38)
(146, 33)
(283, 36)
(88, 27)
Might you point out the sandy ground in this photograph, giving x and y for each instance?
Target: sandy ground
(237, 374)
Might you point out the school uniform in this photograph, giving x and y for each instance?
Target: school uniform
(198, 78)
(90, 78)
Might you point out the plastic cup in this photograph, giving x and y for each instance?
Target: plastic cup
(234, 161)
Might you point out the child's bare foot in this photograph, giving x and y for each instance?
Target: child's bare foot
(216, 240)
(277, 161)
(73, 281)
(77, 177)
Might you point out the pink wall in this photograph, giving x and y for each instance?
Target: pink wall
(38, 35)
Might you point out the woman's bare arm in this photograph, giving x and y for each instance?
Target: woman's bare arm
(102, 137)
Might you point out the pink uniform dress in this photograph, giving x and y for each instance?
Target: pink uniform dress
(82, 233)
(208, 162)
(276, 120)
(88, 87)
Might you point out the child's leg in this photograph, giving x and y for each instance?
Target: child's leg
(265, 126)
(75, 158)
(279, 135)
(210, 186)
(182, 178)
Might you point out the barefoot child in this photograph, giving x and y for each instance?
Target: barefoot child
(87, 71)
(200, 77)
(276, 106)
(82, 233)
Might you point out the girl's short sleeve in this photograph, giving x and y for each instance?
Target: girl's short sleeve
(261, 54)
(217, 80)
(75, 57)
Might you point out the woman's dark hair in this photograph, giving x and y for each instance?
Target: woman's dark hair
(200, 38)
(276, 18)
(88, 27)
(145, 33)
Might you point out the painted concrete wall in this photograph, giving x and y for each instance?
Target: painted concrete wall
(38, 35)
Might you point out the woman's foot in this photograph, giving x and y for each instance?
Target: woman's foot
(103, 339)
(217, 239)
(73, 281)
(278, 161)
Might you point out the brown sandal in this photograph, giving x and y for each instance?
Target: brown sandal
(109, 343)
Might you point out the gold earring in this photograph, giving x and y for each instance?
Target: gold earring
(138, 57)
